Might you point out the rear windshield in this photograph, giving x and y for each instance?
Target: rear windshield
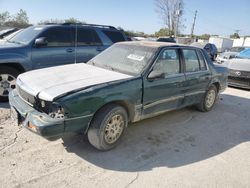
(114, 36)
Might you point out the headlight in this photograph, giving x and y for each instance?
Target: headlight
(56, 111)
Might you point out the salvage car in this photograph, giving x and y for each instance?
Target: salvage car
(232, 53)
(239, 70)
(128, 82)
(49, 45)
(7, 32)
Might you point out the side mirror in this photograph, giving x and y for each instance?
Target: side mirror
(155, 74)
(232, 56)
(40, 42)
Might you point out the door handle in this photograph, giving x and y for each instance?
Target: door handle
(69, 50)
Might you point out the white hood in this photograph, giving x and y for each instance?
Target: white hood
(53, 82)
(226, 55)
(238, 64)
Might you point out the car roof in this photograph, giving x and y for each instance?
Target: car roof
(199, 44)
(103, 27)
(152, 44)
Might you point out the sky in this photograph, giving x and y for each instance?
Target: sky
(221, 17)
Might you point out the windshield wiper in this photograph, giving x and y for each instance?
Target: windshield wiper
(12, 41)
(109, 67)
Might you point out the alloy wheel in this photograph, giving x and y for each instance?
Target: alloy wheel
(114, 128)
(210, 98)
(7, 83)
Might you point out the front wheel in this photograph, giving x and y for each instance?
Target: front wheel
(107, 127)
(8, 77)
(208, 100)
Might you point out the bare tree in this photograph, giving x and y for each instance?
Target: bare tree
(4, 17)
(60, 21)
(20, 19)
(171, 12)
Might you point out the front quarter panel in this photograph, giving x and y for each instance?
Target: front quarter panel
(82, 105)
(19, 55)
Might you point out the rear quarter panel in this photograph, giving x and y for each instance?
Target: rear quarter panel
(219, 74)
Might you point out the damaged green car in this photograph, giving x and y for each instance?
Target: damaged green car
(126, 83)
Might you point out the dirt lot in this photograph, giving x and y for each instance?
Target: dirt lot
(184, 148)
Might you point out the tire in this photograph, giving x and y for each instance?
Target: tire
(101, 134)
(8, 77)
(208, 99)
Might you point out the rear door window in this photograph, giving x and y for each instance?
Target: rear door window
(87, 37)
(202, 61)
(191, 60)
(114, 36)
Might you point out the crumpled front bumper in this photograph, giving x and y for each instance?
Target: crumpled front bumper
(37, 122)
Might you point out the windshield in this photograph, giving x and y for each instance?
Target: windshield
(237, 49)
(26, 35)
(245, 54)
(125, 58)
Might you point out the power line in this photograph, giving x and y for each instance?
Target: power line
(219, 24)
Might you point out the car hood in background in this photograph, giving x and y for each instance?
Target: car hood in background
(50, 83)
(5, 44)
(238, 64)
(226, 55)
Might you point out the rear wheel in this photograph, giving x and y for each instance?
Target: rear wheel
(107, 127)
(208, 100)
(8, 77)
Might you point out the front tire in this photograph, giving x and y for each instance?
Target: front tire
(107, 127)
(8, 77)
(208, 99)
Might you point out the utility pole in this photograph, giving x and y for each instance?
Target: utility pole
(192, 30)
(177, 15)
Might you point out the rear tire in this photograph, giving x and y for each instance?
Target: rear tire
(208, 99)
(107, 127)
(8, 77)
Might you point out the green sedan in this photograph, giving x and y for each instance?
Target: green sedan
(128, 82)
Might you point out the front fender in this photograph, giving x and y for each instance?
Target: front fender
(21, 59)
(89, 101)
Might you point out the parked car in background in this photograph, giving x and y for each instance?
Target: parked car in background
(6, 32)
(51, 45)
(128, 82)
(232, 53)
(167, 39)
(9, 36)
(239, 70)
(208, 47)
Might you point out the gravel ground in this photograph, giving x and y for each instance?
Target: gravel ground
(183, 148)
